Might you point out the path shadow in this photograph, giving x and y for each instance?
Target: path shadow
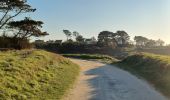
(101, 84)
(111, 83)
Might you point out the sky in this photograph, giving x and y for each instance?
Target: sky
(149, 18)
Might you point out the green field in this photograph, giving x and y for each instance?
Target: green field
(154, 68)
(35, 75)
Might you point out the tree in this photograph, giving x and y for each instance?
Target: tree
(27, 28)
(160, 42)
(150, 43)
(122, 38)
(12, 8)
(141, 41)
(80, 39)
(75, 34)
(68, 34)
(107, 38)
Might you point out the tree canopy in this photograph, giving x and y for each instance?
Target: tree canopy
(145, 42)
(140, 40)
(11, 9)
(27, 28)
(68, 34)
(76, 34)
(80, 39)
(122, 37)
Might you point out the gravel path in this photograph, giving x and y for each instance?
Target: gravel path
(99, 81)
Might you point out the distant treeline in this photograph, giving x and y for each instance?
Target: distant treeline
(76, 48)
(115, 39)
(107, 43)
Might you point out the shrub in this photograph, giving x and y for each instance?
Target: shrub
(14, 43)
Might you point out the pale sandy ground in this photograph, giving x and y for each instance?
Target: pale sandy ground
(99, 81)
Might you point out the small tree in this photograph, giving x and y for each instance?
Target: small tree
(75, 34)
(12, 8)
(160, 42)
(80, 39)
(68, 34)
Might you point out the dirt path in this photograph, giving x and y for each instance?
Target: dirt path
(98, 81)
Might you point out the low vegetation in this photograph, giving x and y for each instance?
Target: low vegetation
(98, 57)
(35, 75)
(154, 68)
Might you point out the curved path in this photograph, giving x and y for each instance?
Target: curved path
(99, 81)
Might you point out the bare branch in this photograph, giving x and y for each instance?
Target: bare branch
(10, 18)
(15, 35)
(4, 16)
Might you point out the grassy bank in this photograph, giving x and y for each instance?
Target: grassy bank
(98, 57)
(35, 75)
(154, 68)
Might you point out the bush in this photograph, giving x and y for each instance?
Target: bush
(14, 43)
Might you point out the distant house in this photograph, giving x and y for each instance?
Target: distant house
(39, 42)
(54, 42)
(58, 41)
(90, 41)
(50, 41)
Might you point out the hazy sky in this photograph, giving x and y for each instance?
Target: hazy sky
(150, 18)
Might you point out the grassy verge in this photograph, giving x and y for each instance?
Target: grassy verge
(35, 75)
(98, 57)
(154, 68)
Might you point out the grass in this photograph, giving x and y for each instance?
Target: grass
(98, 57)
(154, 68)
(35, 75)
